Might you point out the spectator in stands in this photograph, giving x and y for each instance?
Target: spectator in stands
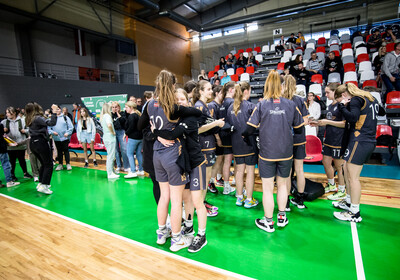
(280, 47)
(217, 82)
(230, 63)
(202, 75)
(333, 64)
(300, 41)
(241, 61)
(119, 120)
(390, 70)
(66, 113)
(389, 35)
(222, 63)
(378, 61)
(225, 78)
(213, 79)
(293, 65)
(132, 98)
(314, 66)
(251, 61)
(291, 42)
(302, 75)
(374, 41)
(315, 113)
(75, 114)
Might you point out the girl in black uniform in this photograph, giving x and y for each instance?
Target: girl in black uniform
(360, 114)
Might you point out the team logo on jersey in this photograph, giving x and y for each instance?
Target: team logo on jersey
(277, 111)
(329, 115)
(277, 101)
(156, 104)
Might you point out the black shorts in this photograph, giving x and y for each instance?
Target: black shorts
(331, 152)
(269, 169)
(248, 160)
(228, 150)
(198, 178)
(358, 152)
(299, 152)
(210, 158)
(219, 151)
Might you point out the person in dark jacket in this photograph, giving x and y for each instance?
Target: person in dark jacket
(333, 64)
(119, 119)
(5, 162)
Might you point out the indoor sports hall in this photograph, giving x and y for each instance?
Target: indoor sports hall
(83, 54)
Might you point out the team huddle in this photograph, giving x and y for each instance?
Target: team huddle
(200, 130)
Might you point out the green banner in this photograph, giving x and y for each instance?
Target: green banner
(95, 103)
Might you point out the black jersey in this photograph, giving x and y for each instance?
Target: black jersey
(213, 107)
(300, 139)
(239, 122)
(223, 111)
(276, 118)
(207, 142)
(333, 134)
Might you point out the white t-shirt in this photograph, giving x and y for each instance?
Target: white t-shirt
(107, 135)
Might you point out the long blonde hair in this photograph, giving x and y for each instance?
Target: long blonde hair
(272, 87)
(289, 87)
(238, 97)
(106, 109)
(353, 90)
(133, 105)
(165, 92)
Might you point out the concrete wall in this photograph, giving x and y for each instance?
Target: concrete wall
(8, 46)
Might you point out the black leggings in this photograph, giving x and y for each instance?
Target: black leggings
(62, 149)
(20, 155)
(41, 149)
(156, 187)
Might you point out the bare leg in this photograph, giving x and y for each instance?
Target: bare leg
(339, 168)
(354, 179)
(282, 194)
(250, 169)
(176, 207)
(93, 150)
(84, 146)
(227, 166)
(268, 197)
(239, 178)
(163, 203)
(327, 162)
(301, 180)
(189, 208)
(198, 202)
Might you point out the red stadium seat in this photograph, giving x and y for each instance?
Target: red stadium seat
(366, 39)
(370, 83)
(317, 78)
(383, 129)
(320, 49)
(240, 51)
(349, 67)
(234, 77)
(300, 48)
(313, 149)
(250, 70)
(226, 57)
(237, 55)
(211, 74)
(257, 49)
(353, 82)
(337, 53)
(321, 41)
(98, 143)
(74, 143)
(390, 47)
(362, 57)
(249, 50)
(239, 71)
(346, 46)
(393, 100)
(216, 68)
(281, 66)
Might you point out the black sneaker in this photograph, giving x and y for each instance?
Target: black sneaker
(287, 208)
(95, 163)
(28, 176)
(198, 242)
(298, 201)
(187, 230)
(282, 220)
(220, 182)
(210, 206)
(348, 216)
(212, 188)
(86, 164)
(264, 225)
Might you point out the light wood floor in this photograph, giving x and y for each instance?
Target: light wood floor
(38, 245)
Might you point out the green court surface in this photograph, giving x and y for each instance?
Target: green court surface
(314, 245)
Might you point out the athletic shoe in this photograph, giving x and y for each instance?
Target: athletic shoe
(298, 201)
(220, 182)
(240, 201)
(180, 242)
(250, 203)
(59, 167)
(337, 196)
(348, 216)
(12, 184)
(163, 235)
(211, 213)
(282, 220)
(341, 205)
(87, 165)
(117, 170)
(140, 173)
(228, 190)
(36, 179)
(37, 187)
(287, 208)
(44, 189)
(28, 176)
(95, 163)
(69, 167)
(264, 225)
(126, 170)
(233, 181)
(212, 188)
(210, 206)
(187, 230)
(113, 176)
(131, 175)
(330, 188)
(198, 242)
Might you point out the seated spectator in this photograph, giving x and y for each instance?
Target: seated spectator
(217, 82)
(291, 42)
(300, 41)
(225, 78)
(390, 70)
(333, 64)
(202, 75)
(241, 62)
(374, 41)
(230, 63)
(302, 75)
(315, 112)
(378, 61)
(280, 47)
(222, 63)
(389, 36)
(314, 66)
(214, 78)
(292, 66)
(251, 61)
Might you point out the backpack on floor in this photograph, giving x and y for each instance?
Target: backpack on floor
(312, 191)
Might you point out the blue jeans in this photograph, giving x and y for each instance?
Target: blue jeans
(121, 148)
(5, 162)
(390, 86)
(135, 146)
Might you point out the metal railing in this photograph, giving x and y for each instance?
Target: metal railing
(19, 67)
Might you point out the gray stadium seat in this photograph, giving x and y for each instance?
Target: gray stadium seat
(334, 78)
(347, 59)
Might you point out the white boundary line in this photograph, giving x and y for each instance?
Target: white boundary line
(177, 257)
(357, 252)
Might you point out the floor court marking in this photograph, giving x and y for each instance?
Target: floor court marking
(171, 255)
(357, 252)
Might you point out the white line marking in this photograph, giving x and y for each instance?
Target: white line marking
(357, 252)
(171, 255)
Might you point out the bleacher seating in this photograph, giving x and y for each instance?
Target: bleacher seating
(265, 49)
(349, 67)
(390, 47)
(393, 100)
(230, 71)
(316, 89)
(347, 52)
(211, 74)
(334, 78)
(353, 82)
(362, 57)
(364, 66)
(313, 149)
(301, 88)
(317, 78)
(245, 77)
(249, 50)
(250, 70)
(239, 71)
(350, 76)
(246, 54)
(221, 72)
(257, 49)
(346, 46)
(321, 42)
(361, 50)
(370, 83)
(234, 77)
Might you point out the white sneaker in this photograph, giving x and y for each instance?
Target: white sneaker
(183, 241)
(140, 173)
(59, 167)
(37, 187)
(131, 175)
(69, 167)
(113, 176)
(45, 189)
(163, 235)
(36, 179)
(228, 189)
(127, 170)
(12, 184)
(117, 170)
